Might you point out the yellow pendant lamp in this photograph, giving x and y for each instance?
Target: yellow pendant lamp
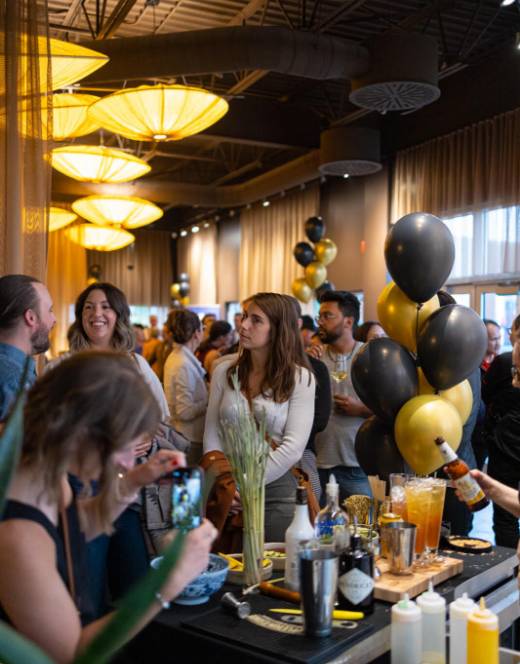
(97, 163)
(121, 211)
(70, 116)
(99, 238)
(59, 218)
(159, 112)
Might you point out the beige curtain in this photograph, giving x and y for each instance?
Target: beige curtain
(25, 179)
(143, 271)
(267, 239)
(473, 168)
(196, 255)
(66, 278)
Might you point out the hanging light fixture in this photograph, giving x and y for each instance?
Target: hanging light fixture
(69, 116)
(96, 163)
(99, 238)
(159, 112)
(121, 211)
(59, 218)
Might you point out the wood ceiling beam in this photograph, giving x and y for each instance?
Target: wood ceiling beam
(116, 18)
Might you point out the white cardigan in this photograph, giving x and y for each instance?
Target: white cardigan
(186, 392)
(288, 423)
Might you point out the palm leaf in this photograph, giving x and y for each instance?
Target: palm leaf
(133, 607)
(11, 440)
(16, 649)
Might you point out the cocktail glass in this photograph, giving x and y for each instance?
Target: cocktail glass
(433, 527)
(418, 495)
(397, 493)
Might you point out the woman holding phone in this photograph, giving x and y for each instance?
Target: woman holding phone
(87, 416)
(275, 380)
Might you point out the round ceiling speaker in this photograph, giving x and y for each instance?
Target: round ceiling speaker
(403, 74)
(349, 151)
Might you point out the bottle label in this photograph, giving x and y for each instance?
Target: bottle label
(355, 585)
(469, 489)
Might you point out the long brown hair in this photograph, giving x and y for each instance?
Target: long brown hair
(90, 401)
(286, 353)
(123, 337)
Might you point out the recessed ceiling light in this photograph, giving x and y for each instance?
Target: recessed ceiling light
(174, 235)
(345, 176)
(266, 203)
(195, 229)
(184, 233)
(206, 225)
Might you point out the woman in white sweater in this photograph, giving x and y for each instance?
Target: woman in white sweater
(275, 376)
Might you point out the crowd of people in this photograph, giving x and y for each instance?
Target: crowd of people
(125, 405)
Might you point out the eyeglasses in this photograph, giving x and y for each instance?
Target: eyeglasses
(327, 315)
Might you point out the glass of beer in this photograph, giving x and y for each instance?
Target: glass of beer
(433, 527)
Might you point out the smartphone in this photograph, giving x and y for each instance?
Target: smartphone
(187, 498)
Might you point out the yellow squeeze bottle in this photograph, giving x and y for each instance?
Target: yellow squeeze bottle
(483, 643)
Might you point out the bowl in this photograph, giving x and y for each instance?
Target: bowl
(207, 583)
(236, 576)
(275, 551)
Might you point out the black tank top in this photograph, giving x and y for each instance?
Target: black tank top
(17, 510)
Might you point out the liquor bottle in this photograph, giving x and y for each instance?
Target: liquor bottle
(386, 516)
(331, 524)
(299, 531)
(356, 578)
(458, 472)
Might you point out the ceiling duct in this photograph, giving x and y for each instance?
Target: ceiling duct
(236, 49)
(403, 74)
(349, 151)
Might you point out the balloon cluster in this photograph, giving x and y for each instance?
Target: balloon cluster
(313, 259)
(180, 291)
(415, 381)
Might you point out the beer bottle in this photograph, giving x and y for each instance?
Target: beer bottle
(458, 472)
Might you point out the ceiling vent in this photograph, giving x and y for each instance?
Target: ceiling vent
(403, 74)
(349, 151)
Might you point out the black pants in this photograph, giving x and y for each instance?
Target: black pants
(506, 470)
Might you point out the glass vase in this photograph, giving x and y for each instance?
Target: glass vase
(253, 535)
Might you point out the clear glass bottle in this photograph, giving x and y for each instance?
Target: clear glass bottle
(356, 578)
(331, 524)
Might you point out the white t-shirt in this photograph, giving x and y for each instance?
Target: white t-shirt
(288, 423)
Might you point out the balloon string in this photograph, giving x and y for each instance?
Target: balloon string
(419, 306)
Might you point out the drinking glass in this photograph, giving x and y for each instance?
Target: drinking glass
(339, 373)
(398, 494)
(418, 495)
(433, 529)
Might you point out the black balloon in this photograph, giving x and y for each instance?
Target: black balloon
(314, 228)
(325, 286)
(183, 276)
(376, 450)
(384, 376)
(452, 344)
(304, 253)
(419, 254)
(184, 289)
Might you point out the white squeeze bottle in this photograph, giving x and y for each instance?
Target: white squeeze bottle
(433, 608)
(459, 610)
(406, 632)
(299, 531)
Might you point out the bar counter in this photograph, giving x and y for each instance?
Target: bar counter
(206, 633)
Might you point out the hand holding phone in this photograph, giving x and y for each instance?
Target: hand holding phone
(187, 498)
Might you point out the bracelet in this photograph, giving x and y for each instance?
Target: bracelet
(164, 604)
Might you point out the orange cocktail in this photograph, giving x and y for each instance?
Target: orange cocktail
(418, 493)
(436, 507)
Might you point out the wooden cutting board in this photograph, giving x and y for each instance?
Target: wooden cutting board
(391, 588)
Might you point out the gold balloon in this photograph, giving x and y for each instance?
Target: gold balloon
(315, 274)
(325, 251)
(419, 422)
(459, 395)
(301, 290)
(185, 301)
(174, 290)
(398, 315)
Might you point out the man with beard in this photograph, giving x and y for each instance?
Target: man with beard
(26, 318)
(339, 314)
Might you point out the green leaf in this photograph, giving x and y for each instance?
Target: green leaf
(11, 440)
(133, 607)
(16, 649)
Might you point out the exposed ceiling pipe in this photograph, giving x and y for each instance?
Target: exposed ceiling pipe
(230, 49)
(296, 172)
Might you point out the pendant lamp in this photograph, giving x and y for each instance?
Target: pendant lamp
(97, 163)
(159, 112)
(99, 238)
(121, 211)
(59, 218)
(70, 116)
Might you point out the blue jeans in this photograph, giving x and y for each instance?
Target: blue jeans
(351, 479)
